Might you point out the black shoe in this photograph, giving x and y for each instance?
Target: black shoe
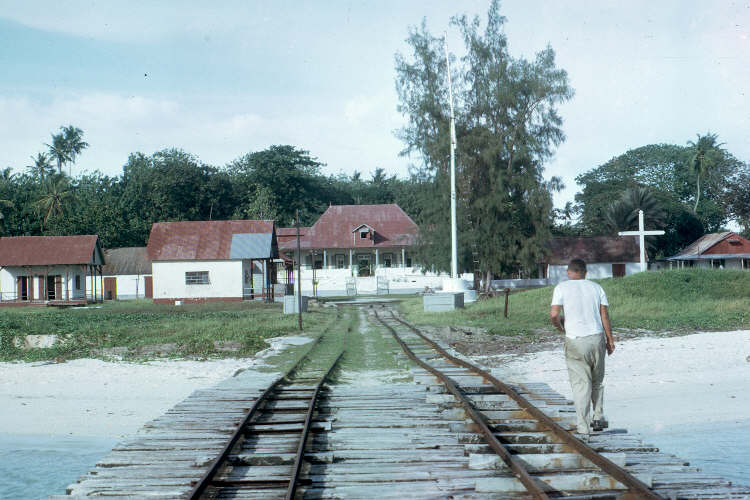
(599, 425)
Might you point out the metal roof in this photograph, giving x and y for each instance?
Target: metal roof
(701, 245)
(126, 261)
(48, 250)
(204, 240)
(593, 249)
(711, 256)
(251, 246)
(393, 228)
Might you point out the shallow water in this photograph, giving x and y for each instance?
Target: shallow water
(717, 448)
(34, 466)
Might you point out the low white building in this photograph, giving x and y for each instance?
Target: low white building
(362, 249)
(202, 261)
(605, 257)
(127, 274)
(56, 270)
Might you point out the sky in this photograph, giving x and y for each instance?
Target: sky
(222, 79)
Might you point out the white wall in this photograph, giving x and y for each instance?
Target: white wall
(225, 276)
(556, 274)
(9, 287)
(130, 286)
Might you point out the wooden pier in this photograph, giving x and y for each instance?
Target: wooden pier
(387, 440)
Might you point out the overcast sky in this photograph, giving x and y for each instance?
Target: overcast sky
(220, 79)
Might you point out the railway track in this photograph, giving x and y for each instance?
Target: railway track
(263, 457)
(579, 472)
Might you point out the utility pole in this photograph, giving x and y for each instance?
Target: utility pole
(299, 277)
(454, 236)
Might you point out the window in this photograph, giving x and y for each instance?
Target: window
(340, 261)
(408, 262)
(363, 234)
(196, 278)
(387, 259)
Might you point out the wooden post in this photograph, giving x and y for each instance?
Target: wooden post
(507, 294)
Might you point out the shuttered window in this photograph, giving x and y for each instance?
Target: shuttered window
(196, 278)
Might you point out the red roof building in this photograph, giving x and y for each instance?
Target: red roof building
(50, 270)
(720, 250)
(358, 237)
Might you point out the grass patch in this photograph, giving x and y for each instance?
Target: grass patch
(670, 300)
(130, 328)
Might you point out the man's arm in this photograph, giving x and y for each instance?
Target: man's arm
(556, 317)
(607, 328)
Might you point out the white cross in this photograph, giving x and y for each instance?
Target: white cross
(641, 233)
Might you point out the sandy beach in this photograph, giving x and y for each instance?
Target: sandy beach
(89, 397)
(654, 383)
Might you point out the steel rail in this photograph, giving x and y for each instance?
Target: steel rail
(513, 463)
(205, 481)
(627, 479)
(306, 430)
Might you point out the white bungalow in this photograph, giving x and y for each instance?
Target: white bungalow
(54, 270)
(605, 257)
(127, 274)
(202, 261)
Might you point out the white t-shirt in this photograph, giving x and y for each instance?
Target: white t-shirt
(580, 300)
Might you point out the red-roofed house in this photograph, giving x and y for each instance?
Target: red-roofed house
(722, 250)
(200, 261)
(58, 270)
(358, 243)
(605, 256)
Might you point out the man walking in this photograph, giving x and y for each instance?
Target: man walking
(579, 309)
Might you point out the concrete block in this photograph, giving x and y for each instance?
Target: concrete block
(291, 304)
(445, 301)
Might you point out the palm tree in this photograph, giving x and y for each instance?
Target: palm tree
(707, 152)
(59, 151)
(42, 165)
(622, 215)
(74, 142)
(53, 202)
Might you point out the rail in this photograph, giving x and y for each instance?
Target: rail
(633, 484)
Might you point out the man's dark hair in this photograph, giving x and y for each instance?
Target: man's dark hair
(577, 266)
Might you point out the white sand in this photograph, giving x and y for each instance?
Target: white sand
(654, 383)
(88, 397)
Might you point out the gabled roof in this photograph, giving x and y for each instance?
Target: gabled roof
(212, 240)
(48, 250)
(593, 249)
(126, 260)
(393, 228)
(706, 243)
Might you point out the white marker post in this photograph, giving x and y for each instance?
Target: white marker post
(454, 238)
(641, 233)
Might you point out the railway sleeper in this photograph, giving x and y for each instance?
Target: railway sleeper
(575, 482)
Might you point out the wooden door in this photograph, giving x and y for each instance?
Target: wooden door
(618, 270)
(110, 288)
(42, 288)
(58, 287)
(149, 286)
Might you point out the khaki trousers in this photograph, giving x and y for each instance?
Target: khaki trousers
(585, 357)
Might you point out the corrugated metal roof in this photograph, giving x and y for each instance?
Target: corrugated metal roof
(712, 256)
(250, 246)
(47, 250)
(203, 240)
(393, 228)
(593, 249)
(126, 261)
(702, 244)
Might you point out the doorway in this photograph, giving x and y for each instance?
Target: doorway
(363, 265)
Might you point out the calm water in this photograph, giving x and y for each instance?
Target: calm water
(721, 449)
(33, 467)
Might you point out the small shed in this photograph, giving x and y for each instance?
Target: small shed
(127, 274)
(725, 250)
(605, 256)
(54, 270)
(199, 261)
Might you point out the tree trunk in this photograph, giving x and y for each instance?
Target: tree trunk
(697, 195)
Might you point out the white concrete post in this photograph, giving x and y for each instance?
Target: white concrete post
(351, 264)
(403, 257)
(376, 260)
(325, 259)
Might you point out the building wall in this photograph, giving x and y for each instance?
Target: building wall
(130, 286)
(9, 287)
(725, 247)
(556, 274)
(225, 280)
